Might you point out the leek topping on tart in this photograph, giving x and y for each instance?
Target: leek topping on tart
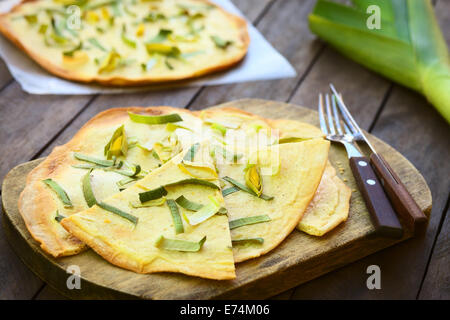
(127, 42)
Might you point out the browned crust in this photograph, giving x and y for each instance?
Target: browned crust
(121, 260)
(35, 202)
(6, 30)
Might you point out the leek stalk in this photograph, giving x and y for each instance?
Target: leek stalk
(408, 48)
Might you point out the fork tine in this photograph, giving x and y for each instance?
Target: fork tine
(337, 119)
(348, 119)
(347, 130)
(329, 115)
(323, 124)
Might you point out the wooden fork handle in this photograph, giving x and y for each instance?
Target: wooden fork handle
(383, 215)
(401, 199)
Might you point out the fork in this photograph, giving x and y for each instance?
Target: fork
(383, 215)
(402, 201)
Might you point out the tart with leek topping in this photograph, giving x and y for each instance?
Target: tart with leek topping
(165, 189)
(127, 42)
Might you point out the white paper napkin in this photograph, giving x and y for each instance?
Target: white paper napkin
(262, 62)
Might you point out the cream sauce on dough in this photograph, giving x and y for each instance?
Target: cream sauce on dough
(199, 53)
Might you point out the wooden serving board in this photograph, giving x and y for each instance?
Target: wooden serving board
(298, 259)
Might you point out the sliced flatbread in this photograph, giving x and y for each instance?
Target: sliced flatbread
(125, 42)
(292, 188)
(39, 204)
(133, 246)
(329, 207)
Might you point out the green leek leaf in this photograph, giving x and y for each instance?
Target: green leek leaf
(118, 144)
(70, 53)
(189, 156)
(179, 245)
(230, 190)
(152, 194)
(257, 240)
(187, 204)
(96, 44)
(204, 213)
(148, 204)
(87, 190)
(175, 216)
(58, 217)
(119, 212)
(221, 43)
(162, 119)
(193, 181)
(248, 221)
(246, 189)
(100, 162)
(62, 195)
(409, 48)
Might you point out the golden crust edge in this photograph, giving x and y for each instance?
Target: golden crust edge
(122, 81)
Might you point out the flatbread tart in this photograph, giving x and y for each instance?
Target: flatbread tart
(40, 205)
(127, 42)
(165, 189)
(155, 243)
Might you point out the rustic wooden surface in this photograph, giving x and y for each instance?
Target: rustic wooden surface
(298, 259)
(32, 125)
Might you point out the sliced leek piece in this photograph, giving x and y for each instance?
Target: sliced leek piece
(161, 36)
(148, 204)
(221, 43)
(246, 189)
(179, 245)
(194, 181)
(257, 240)
(163, 49)
(204, 213)
(178, 223)
(190, 155)
(152, 194)
(162, 119)
(291, 139)
(62, 195)
(58, 217)
(131, 174)
(253, 179)
(110, 62)
(117, 145)
(248, 220)
(187, 204)
(171, 127)
(230, 190)
(97, 44)
(88, 193)
(100, 162)
(219, 128)
(128, 41)
(31, 18)
(119, 212)
(198, 170)
(71, 52)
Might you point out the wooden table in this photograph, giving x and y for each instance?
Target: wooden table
(32, 125)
